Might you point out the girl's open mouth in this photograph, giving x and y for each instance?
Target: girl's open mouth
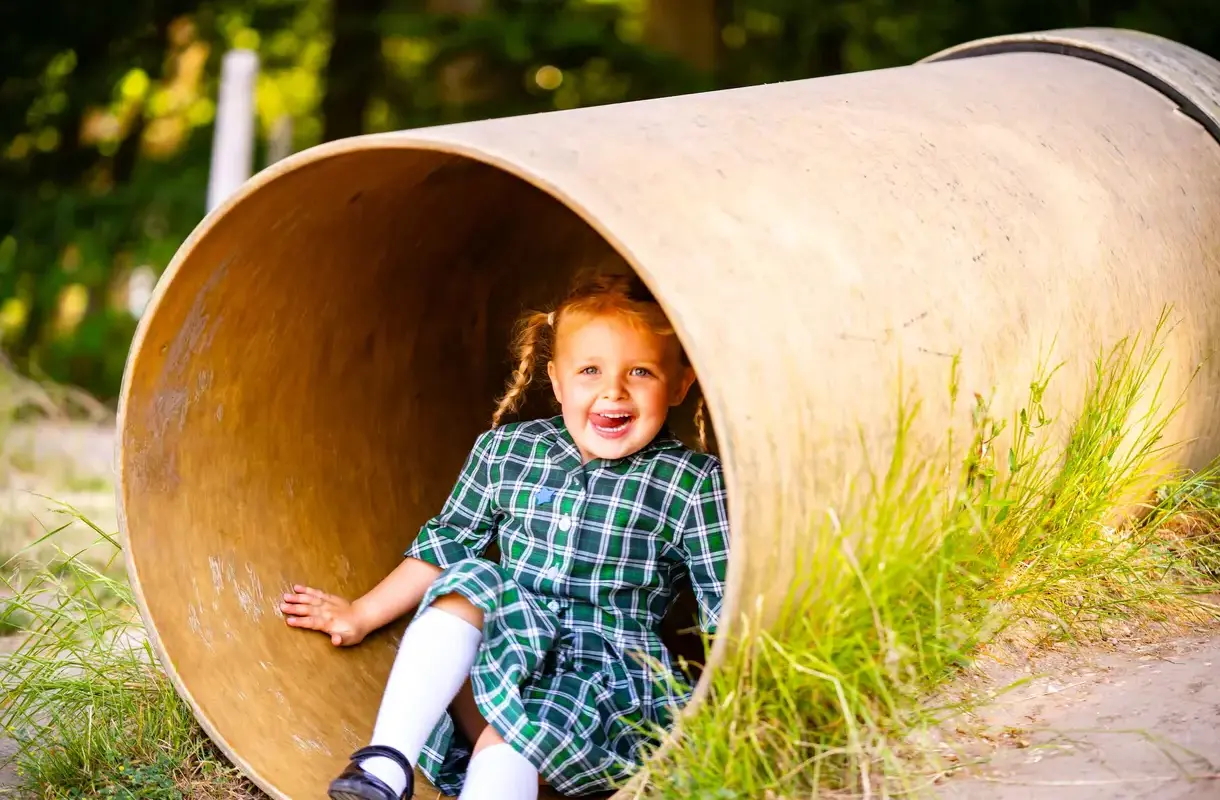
(610, 426)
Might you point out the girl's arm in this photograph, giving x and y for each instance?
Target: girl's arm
(705, 545)
(398, 594)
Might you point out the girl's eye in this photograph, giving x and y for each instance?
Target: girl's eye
(641, 372)
(589, 371)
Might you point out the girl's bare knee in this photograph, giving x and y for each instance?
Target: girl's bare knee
(466, 713)
(487, 738)
(461, 608)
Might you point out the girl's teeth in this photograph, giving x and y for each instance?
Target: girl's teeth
(610, 423)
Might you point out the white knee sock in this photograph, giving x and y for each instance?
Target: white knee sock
(500, 773)
(433, 661)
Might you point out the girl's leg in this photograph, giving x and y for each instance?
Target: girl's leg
(466, 713)
(498, 772)
(433, 662)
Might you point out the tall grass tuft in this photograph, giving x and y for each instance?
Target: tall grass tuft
(92, 713)
(942, 555)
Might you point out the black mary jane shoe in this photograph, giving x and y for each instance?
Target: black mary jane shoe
(356, 784)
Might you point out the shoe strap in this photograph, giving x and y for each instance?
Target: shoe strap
(375, 750)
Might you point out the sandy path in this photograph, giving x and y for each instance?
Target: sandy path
(8, 770)
(1138, 724)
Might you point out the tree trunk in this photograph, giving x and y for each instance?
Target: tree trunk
(354, 70)
(688, 29)
(465, 79)
(828, 49)
(812, 44)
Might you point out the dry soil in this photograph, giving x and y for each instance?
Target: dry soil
(1142, 721)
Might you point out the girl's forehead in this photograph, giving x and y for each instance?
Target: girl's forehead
(578, 333)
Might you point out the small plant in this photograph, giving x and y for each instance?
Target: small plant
(1187, 513)
(155, 781)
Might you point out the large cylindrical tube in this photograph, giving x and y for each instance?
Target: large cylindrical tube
(325, 346)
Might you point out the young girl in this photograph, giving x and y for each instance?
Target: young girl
(548, 663)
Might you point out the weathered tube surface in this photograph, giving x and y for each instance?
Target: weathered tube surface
(326, 345)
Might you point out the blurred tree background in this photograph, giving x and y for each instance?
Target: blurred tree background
(106, 108)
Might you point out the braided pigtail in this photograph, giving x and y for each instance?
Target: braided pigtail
(528, 341)
(701, 422)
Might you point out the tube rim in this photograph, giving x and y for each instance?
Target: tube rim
(1184, 75)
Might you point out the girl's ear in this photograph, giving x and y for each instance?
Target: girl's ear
(682, 386)
(550, 373)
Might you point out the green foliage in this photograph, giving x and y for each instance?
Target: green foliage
(95, 353)
(105, 114)
(154, 781)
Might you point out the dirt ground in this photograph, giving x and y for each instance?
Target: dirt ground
(1141, 720)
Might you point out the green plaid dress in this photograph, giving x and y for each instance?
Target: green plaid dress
(589, 557)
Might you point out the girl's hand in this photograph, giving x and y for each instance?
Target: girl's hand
(306, 607)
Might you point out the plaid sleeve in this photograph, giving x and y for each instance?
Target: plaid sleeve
(705, 545)
(467, 522)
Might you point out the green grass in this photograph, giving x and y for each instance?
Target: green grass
(1010, 530)
(943, 554)
(92, 713)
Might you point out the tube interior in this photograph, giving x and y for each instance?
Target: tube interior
(302, 399)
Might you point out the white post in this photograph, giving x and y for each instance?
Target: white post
(233, 140)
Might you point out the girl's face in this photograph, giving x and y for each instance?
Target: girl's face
(615, 382)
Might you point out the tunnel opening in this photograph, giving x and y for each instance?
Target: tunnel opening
(306, 389)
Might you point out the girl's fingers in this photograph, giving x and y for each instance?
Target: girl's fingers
(311, 623)
(302, 610)
(312, 609)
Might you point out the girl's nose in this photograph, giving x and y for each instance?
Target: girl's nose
(614, 388)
